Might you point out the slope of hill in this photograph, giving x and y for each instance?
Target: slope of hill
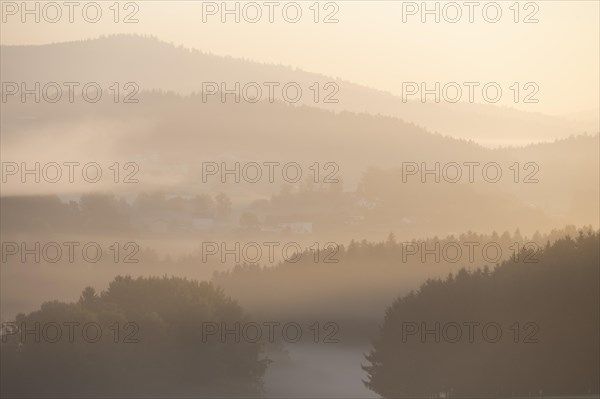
(266, 132)
(143, 60)
(545, 322)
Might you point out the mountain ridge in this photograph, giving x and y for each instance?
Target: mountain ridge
(486, 124)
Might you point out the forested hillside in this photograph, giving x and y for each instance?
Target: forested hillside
(547, 343)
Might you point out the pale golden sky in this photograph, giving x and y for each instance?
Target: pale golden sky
(371, 45)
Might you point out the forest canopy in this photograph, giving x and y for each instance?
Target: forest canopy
(150, 344)
(548, 314)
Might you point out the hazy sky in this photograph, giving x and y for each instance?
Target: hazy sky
(371, 44)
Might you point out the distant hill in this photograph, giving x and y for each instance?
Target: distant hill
(170, 136)
(158, 65)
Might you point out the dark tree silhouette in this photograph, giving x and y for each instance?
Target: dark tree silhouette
(151, 345)
(556, 355)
